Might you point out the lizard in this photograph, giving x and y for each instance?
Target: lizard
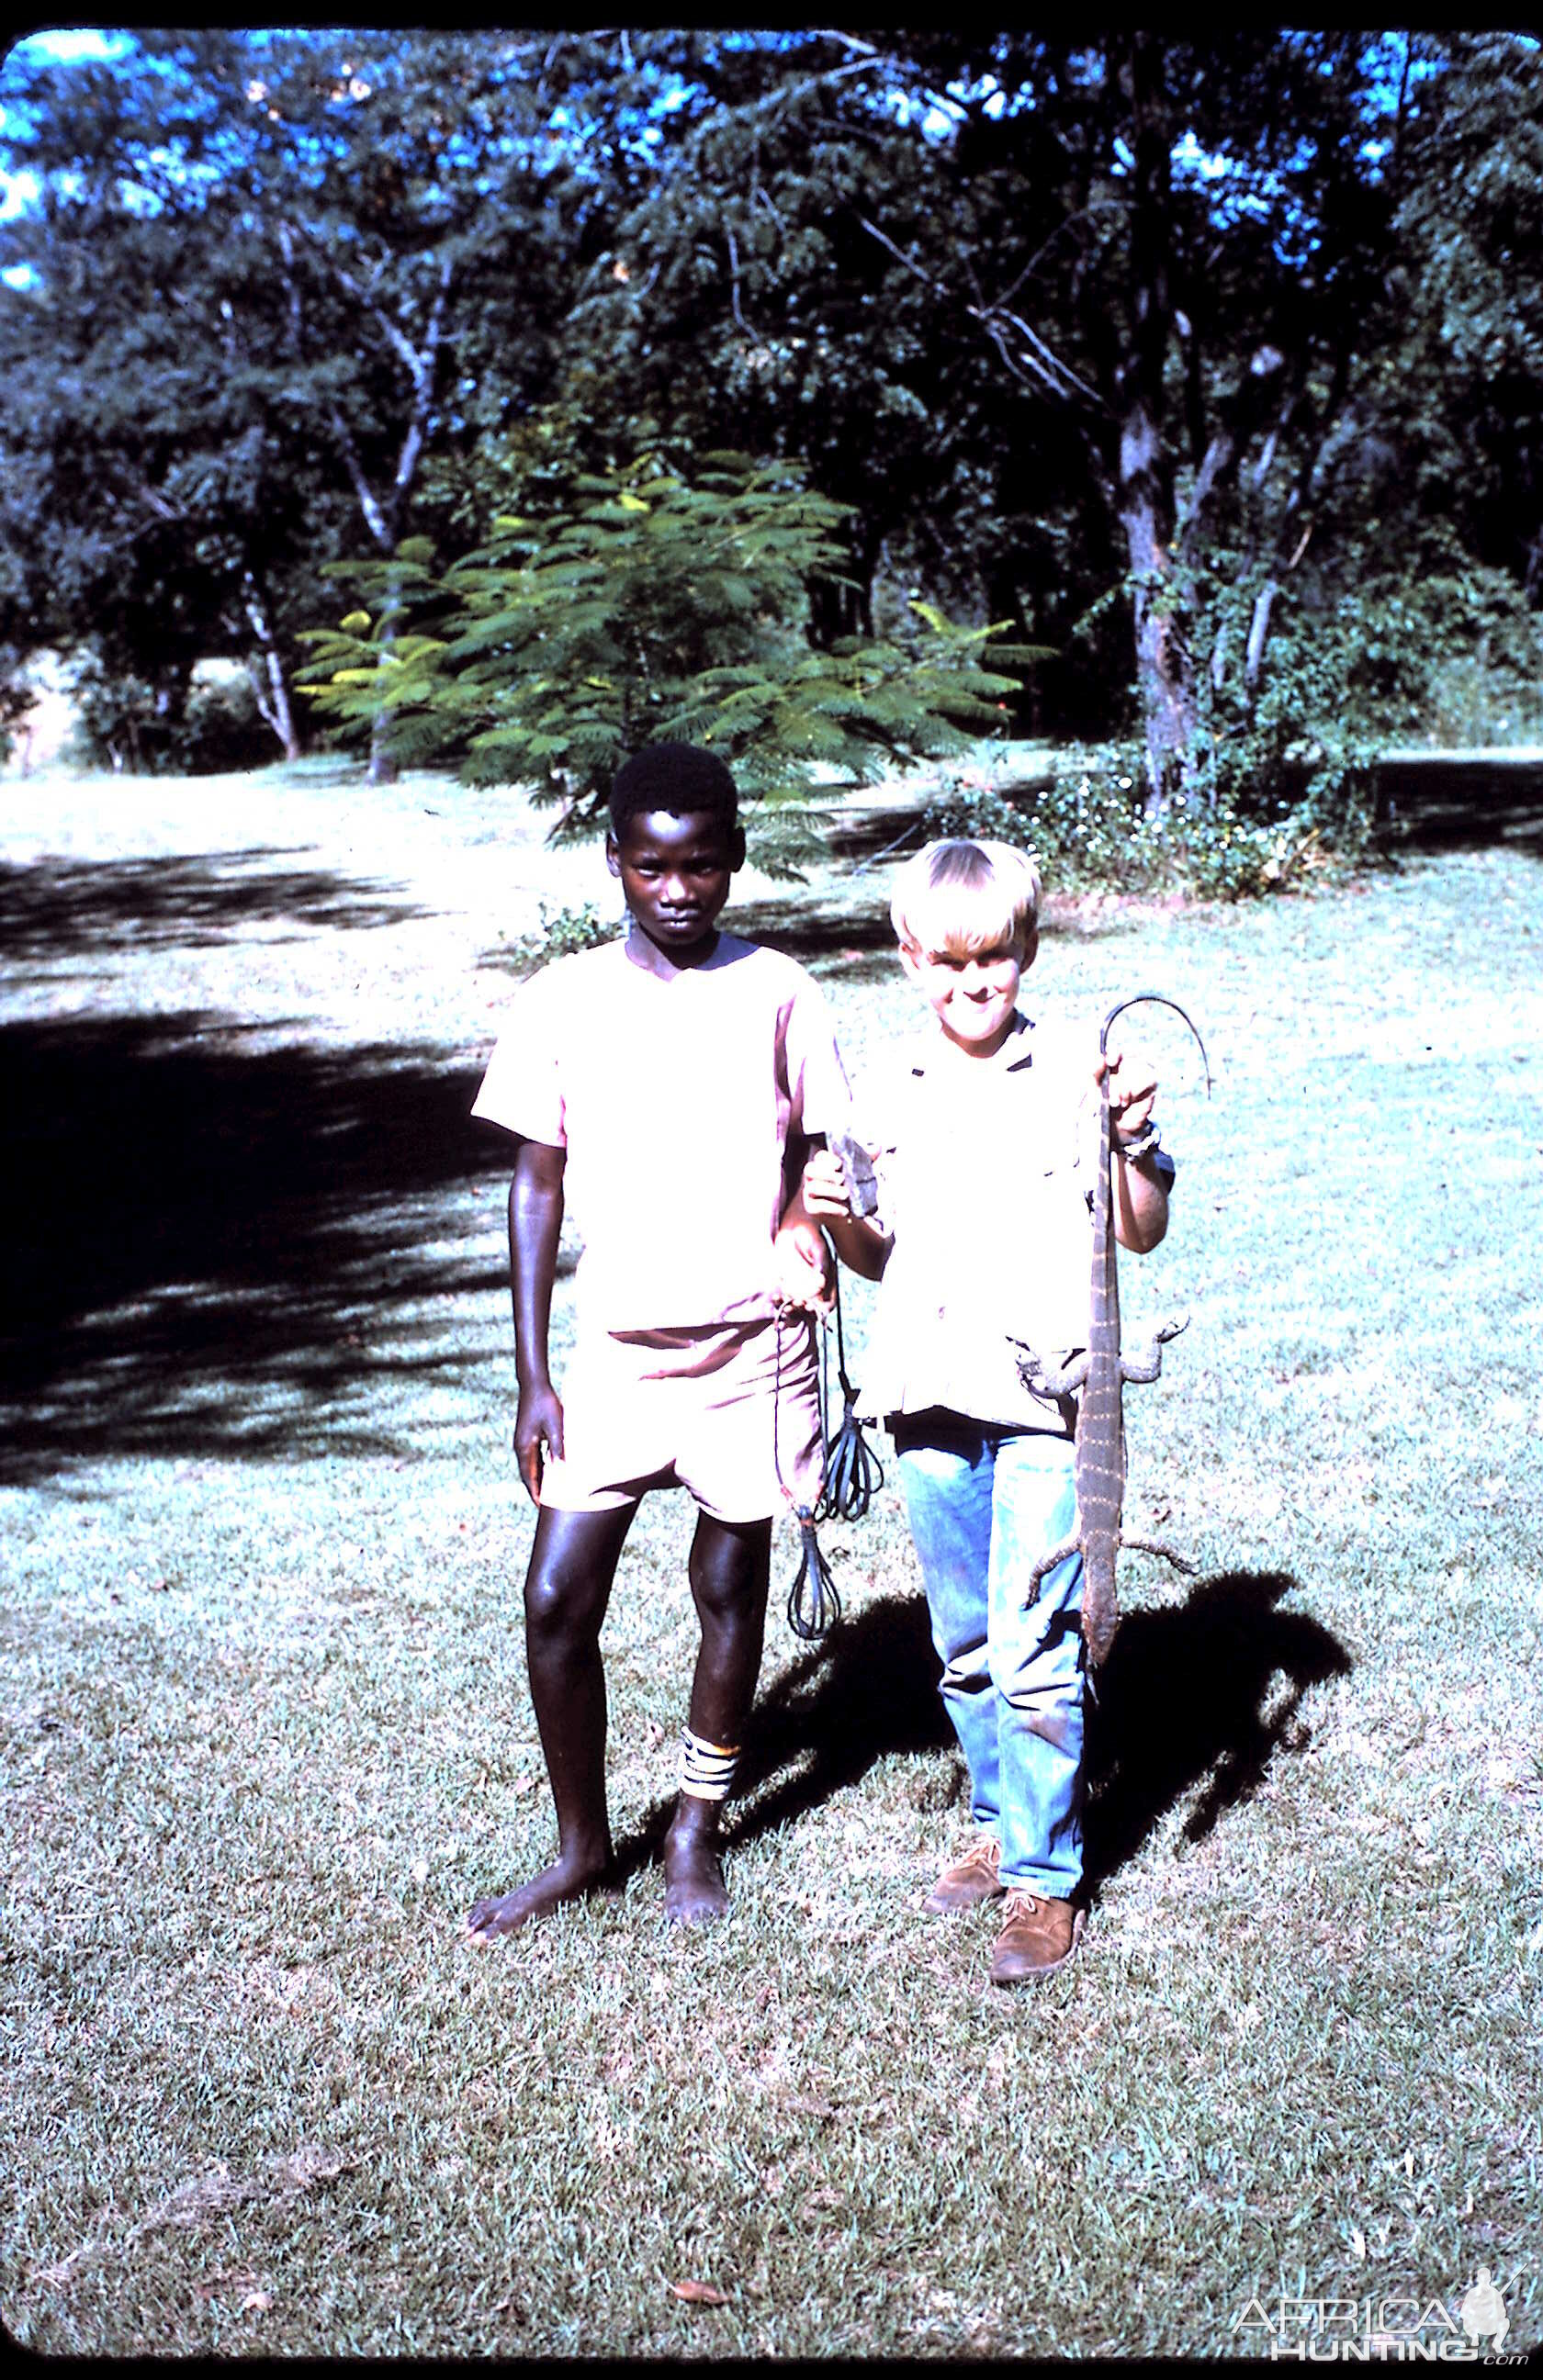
(1099, 1371)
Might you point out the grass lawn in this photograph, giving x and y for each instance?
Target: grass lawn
(265, 1731)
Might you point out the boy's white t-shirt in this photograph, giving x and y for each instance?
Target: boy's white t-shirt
(985, 1168)
(674, 1091)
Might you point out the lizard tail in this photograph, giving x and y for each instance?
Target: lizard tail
(1162, 1001)
(1100, 1615)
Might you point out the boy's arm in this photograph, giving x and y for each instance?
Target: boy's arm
(822, 1199)
(1139, 1201)
(535, 1226)
(804, 1273)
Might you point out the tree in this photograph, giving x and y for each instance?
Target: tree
(653, 606)
(1469, 225)
(265, 272)
(1084, 285)
(1184, 355)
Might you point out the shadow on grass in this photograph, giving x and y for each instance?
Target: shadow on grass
(853, 934)
(1460, 801)
(852, 931)
(210, 1239)
(53, 906)
(1199, 1700)
(1195, 1702)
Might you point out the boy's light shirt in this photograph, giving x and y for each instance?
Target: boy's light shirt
(674, 1091)
(985, 1168)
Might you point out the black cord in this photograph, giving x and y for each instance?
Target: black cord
(854, 1474)
(813, 1604)
(853, 1477)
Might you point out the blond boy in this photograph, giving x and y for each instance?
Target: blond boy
(984, 1132)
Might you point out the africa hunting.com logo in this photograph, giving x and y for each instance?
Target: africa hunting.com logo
(1380, 2330)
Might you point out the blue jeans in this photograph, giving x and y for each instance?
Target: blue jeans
(984, 1506)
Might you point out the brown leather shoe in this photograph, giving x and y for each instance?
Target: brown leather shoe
(969, 1879)
(1037, 1935)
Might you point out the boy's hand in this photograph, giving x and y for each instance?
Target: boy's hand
(1132, 1090)
(538, 1427)
(824, 1187)
(804, 1272)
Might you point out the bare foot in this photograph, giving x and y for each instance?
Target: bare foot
(564, 1880)
(694, 1889)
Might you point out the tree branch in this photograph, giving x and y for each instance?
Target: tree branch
(1040, 360)
(733, 284)
(368, 503)
(1079, 214)
(292, 294)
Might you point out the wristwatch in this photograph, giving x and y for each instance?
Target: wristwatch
(1144, 1145)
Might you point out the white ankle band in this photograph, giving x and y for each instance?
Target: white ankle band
(706, 1769)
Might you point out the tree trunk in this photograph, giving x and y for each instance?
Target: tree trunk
(1162, 671)
(384, 519)
(383, 768)
(272, 707)
(1145, 491)
(382, 765)
(1259, 630)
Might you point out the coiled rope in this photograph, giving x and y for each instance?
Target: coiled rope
(852, 1475)
(853, 1472)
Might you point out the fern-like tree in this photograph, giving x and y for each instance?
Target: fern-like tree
(655, 601)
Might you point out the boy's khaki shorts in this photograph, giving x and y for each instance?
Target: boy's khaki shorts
(730, 1411)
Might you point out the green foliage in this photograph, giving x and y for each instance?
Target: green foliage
(16, 697)
(654, 605)
(1181, 239)
(1284, 769)
(201, 728)
(1089, 830)
(566, 929)
(227, 316)
(282, 293)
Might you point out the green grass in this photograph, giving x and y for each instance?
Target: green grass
(267, 1735)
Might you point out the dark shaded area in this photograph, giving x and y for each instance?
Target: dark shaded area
(824, 933)
(1205, 1694)
(1196, 1699)
(875, 832)
(891, 829)
(206, 1236)
(1460, 801)
(52, 908)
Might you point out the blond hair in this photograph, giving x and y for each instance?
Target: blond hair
(957, 899)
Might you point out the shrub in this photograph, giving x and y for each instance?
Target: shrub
(562, 931)
(653, 604)
(124, 721)
(1089, 830)
(1085, 827)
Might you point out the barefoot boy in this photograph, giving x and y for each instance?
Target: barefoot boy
(668, 1083)
(985, 1136)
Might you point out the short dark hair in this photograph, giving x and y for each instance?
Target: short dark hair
(680, 777)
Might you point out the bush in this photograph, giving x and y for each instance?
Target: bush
(650, 604)
(124, 721)
(1085, 828)
(563, 930)
(1089, 830)
(221, 727)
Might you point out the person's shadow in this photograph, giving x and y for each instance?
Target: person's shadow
(1198, 1699)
